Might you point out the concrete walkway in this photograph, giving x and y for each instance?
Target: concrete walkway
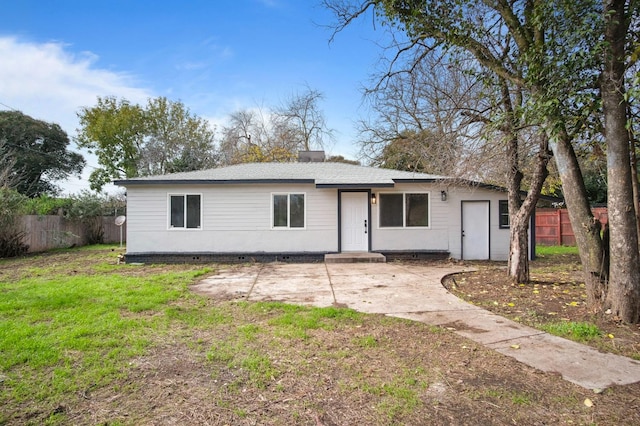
(415, 292)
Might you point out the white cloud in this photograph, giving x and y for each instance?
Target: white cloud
(49, 82)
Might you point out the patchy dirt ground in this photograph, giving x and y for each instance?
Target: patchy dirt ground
(247, 370)
(556, 294)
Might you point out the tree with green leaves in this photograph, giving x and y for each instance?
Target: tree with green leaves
(114, 130)
(131, 140)
(37, 154)
(175, 139)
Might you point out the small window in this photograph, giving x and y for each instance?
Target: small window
(404, 210)
(288, 211)
(185, 211)
(503, 211)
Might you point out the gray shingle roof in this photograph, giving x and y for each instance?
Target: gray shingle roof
(321, 174)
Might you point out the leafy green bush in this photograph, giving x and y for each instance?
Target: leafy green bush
(47, 205)
(87, 207)
(12, 206)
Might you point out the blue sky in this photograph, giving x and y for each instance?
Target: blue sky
(215, 56)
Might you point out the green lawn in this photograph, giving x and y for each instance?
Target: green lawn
(84, 340)
(62, 332)
(555, 250)
(68, 326)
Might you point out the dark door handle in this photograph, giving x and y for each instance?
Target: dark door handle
(365, 226)
(462, 234)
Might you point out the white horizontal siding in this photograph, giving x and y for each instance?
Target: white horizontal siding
(444, 232)
(498, 238)
(236, 218)
(398, 239)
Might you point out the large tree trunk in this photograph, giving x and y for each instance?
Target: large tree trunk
(634, 180)
(585, 227)
(519, 238)
(520, 212)
(518, 266)
(624, 277)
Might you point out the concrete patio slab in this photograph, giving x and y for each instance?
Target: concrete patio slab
(321, 299)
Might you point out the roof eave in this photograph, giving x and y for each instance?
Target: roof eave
(354, 185)
(127, 182)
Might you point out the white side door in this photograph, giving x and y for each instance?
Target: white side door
(354, 217)
(475, 230)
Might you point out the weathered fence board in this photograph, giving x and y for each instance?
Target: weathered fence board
(48, 232)
(553, 227)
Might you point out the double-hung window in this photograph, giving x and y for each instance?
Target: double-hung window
(404, 210)
(185, 211)
(288, 210)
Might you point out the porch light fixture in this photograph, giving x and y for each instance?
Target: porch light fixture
(373, 198)
(443, 195)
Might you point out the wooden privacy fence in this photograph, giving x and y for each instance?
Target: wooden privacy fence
(48, 232)
(553, 227)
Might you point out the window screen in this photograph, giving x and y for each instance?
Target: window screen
(280, 210)
(296, 210)
(391, 210)
(177, 211)
(417, 209)
(193, 211)
(503, 209)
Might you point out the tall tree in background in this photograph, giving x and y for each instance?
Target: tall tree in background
(301, 114)
(175, 140)
(275, 134)
(253, 136)
(417, 124)
(114, 130)
(37, 152)
(131, 141)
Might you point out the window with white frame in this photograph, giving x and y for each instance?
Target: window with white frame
(288, 210)
(185, 211)
(404, 210)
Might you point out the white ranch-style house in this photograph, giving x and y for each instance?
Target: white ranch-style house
(303, 211)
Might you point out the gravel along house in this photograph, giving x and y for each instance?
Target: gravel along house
(305, 210)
